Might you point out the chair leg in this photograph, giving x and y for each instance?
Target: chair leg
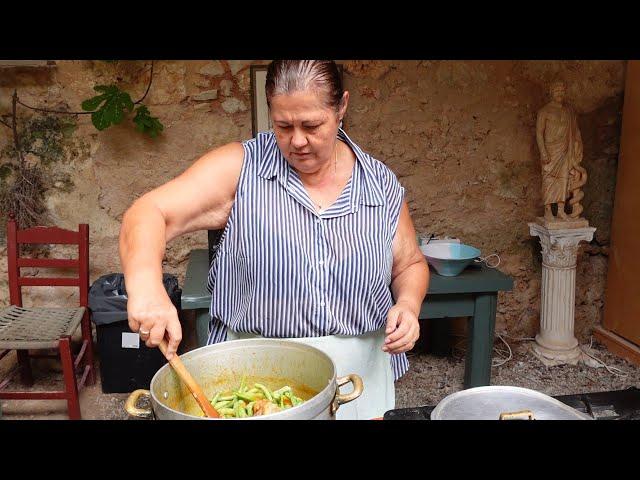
(26, 375)
(70, 383)
(88, 360)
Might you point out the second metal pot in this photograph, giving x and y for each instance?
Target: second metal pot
(503, 403)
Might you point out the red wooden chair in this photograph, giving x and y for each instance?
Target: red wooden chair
(39, 328)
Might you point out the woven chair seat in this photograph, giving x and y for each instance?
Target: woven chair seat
(24, 328)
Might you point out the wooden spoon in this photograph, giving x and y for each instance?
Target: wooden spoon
(193, 386)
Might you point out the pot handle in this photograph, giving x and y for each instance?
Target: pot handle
(520, 415)
(131, 405)
(340, 399)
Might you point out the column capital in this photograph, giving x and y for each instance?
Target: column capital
(560, 245)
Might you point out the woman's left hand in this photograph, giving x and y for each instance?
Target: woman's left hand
(403, 329)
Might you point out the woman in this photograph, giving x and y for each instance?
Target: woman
(318, 243)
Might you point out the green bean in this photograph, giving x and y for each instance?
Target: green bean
(246, 397)
(240, 403)
(281, 391)
(295, 401)
(223, 404)
(266, 391)
(238, 409)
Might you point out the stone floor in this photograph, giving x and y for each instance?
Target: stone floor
(94, 404)
(429, 379)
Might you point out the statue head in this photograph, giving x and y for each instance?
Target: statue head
(558, 89)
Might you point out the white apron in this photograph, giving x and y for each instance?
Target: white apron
(361, 355)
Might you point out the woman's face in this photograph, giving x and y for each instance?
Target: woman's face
(306, 129)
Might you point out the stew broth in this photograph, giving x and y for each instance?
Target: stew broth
(185, 403)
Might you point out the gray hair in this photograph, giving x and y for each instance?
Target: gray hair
(288, 76)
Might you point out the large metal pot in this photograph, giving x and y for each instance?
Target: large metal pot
(221, 366)
(503, 403)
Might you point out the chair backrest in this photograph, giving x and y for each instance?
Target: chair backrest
(47, 235)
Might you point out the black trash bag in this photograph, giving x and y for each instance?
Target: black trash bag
(108, 297)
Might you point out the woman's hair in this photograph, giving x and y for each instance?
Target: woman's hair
(289, 76)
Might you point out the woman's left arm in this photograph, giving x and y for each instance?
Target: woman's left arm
(409, 283)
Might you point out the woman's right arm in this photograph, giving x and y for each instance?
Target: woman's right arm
(198, 199)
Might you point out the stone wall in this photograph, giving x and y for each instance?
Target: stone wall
(460, 135)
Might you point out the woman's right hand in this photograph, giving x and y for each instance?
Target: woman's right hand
(151, 314)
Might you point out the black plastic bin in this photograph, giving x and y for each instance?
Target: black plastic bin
(126, 363)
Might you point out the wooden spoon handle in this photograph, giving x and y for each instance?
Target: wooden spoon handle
(193, 386)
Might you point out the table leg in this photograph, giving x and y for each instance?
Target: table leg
(439, 337)
(477, 369)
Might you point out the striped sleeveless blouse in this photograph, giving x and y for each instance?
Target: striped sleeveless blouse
(284, 270)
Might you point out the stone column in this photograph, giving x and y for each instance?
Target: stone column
(555, 343)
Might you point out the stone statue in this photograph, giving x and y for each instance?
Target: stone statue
(560, 146)
(577, 179)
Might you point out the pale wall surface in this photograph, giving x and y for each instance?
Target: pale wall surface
(460, 135)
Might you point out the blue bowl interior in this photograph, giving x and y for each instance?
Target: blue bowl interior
(450, 251)
(449, 259)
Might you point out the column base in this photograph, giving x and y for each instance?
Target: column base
(564, 346)
(551, 358)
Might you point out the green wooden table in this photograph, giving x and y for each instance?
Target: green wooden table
(472, 294)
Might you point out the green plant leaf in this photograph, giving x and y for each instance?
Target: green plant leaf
(92, 103)
(99, 121)
(145, 123)
(113, 112)
(125, 98)
(108, 108)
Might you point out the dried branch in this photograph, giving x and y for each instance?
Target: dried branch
(46, 110)
(148, 86)
(16, 139)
